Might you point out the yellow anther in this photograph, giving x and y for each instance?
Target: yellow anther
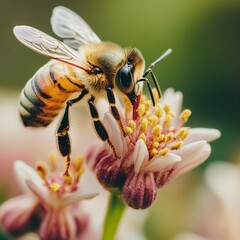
(182, 133)
(163, 152)
(148, 105)
(79, 173)
(143, 125)
(177, 145)
(155, 144)
(141, 109)
(167, 108)
(53, 161)
(143, 137)
(167, 120)
(153, 120)
(127, 104)
(168, 137)
(55, 187)
(155, 95)
(41, 169)
(78, 163)
(128, 130)
(158, 111)
(154, 151)
(184, 116)
(68, 179)
(132, 125)
(159, 138)
(156, 131)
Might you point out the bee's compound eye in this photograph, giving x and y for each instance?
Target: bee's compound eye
(125, 79)
(96, 70)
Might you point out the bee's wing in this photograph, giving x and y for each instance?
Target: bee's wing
(72, 28)
(49, 46)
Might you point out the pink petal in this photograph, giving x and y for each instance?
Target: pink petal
(76, 197)
(24, 172)
(140, 155)
(115, 135)
(16, 214)
(161, 162)
(194, 159)
(174, 99)
(197, 134)
(40, 191)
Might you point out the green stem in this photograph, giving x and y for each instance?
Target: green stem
(113, 216)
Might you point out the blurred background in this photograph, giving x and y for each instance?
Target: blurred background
(204, 65)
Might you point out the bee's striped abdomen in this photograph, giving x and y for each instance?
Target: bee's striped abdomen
(45, 94)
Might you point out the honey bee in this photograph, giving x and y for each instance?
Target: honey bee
(82, 64)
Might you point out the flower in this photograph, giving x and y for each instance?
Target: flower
(50, 203)
(156, 149)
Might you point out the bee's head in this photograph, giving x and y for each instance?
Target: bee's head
(129, 73)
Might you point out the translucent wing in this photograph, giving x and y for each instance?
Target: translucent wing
(49, 46)
(72, 28)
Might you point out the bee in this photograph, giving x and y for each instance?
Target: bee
(82, 64)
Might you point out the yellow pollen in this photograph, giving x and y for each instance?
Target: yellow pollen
(78, 163)
(184, 116)
(155, 95)
(158, 112)
(53, 160)
(128, 130)
(41, 169)
(152, 120)
(55, 187)
(148, 105)
(143, 125)
(167, 120)
(143, 137)
(177, 145)
(159, 138)
(154, 151)
(127, 104)
(182, 133)
(167, 108)
(156, 130)
(79, 173)
(141, 109)
(155, 144)
(132, 125)
(168, 137)
(163, 152)
(68, 179)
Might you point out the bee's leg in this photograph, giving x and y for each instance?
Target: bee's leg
(63, 138)
(99, 127)
(145, 80)
(115, 112)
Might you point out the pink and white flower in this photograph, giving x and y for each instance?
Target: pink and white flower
(50, 203)
(156, 149)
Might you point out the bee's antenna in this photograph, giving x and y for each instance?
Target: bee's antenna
(149, 70)
(145, 80)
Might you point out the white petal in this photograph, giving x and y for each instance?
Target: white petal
(115, 134)
(189, 236)
(24, 172)
(194, 159)
(161, 162)
(197, 134)
(174, 99)
(140, 155)
(224, 179)
(76, 197)
(40, 191)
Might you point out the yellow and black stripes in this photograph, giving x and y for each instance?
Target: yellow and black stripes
(46, 93)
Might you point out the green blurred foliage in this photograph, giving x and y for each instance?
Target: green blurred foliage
(204, 65)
